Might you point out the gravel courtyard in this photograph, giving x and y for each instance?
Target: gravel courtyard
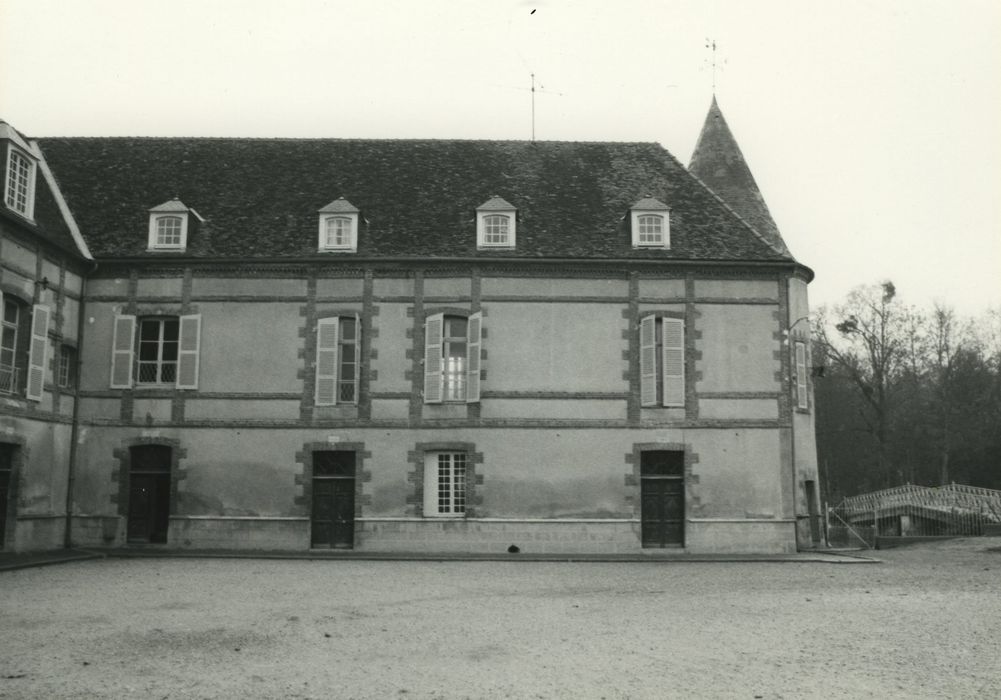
(925, 623)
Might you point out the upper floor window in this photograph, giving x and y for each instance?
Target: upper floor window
(339, 226)
(24, 343)
(651, 224)
(10, 335)
(168, 226)
(19, 192)
(156, 361)
(156, 351)
(662, 361)
(452, 346)
(67, 367)
(496, 223)
(337, 360)
(802, 386)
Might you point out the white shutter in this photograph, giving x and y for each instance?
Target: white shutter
(189, 346)
(122, 349)
(648, 361)
(674, 362)
(431, 483)
(326, 361)
(475, 342)
(37, 351)
(434, 375)
(802, 400)
(357, 359)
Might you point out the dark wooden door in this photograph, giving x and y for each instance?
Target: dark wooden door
(149, 494)
(333, 513)
(6, 469)
(662, 498)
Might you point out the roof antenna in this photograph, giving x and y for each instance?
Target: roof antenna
(543, 90)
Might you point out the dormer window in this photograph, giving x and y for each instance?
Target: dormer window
(19, 188)
(496, 222)
(339, 227)
(168, 226)
(650, 221)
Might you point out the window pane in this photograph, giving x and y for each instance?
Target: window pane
(168, 374)
(149, 330)
(455, 327)
(347, 329)
(9, 311)
(169, 352)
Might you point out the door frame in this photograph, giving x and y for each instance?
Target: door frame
(337, 479)
(634, 478)
(121, 500)
(9, 524)
(304, 480)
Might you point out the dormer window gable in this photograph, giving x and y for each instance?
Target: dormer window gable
(496, 224)
(339, 227)
(20, 168)
(169, 224)
(650, 223)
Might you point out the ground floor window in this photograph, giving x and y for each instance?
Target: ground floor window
(445, 483)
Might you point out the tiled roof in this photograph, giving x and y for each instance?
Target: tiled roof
(496, 204)
(339, 206)
(48, 222)
(174, 205)
(260, 197)
(718, 162)
(650, 204)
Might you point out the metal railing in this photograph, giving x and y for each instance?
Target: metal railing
(914, 511)
(9, 379)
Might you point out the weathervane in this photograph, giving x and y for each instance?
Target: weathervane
(711, 44)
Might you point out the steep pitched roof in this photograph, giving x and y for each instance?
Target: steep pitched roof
(718, 162)
(260, 197)
(50, 222)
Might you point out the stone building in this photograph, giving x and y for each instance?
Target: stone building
(406, 346)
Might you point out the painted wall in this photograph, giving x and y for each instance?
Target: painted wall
(555, 425)
(36, 273)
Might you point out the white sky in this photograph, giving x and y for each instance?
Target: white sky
(872, 127)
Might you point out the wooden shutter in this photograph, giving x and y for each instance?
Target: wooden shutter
(37, 352)
(674, 362)
(327, 330)
(357, 359)
(188, 350)
(122, 349)
(475, 342)
(802, 399)
(434, 375)
(648, 361)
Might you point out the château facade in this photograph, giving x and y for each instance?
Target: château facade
(405, 346)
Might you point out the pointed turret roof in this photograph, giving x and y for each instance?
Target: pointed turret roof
(718, 162)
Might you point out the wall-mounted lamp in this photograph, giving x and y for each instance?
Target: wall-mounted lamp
(787, 331)
(43, 283)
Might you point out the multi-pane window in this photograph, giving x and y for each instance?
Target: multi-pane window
(496, 229)
(157, 351)
(20, 181)
(651, 229)
(338, 356)
(445, 483)
(454, 343)
(339, 232)
(347, 370)
(452, 348)
(11, 321)
(169, 231)
(67, 367)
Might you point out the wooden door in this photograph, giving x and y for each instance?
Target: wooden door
(6, 470)
(333, 512)
(149, 494)
(662, 498)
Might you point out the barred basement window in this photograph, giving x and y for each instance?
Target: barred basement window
(445, 484)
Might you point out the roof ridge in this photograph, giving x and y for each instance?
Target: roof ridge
(345, 139)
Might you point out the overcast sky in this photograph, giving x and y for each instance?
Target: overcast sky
(872, 127)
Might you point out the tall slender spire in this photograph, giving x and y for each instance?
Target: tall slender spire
(718, 162)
